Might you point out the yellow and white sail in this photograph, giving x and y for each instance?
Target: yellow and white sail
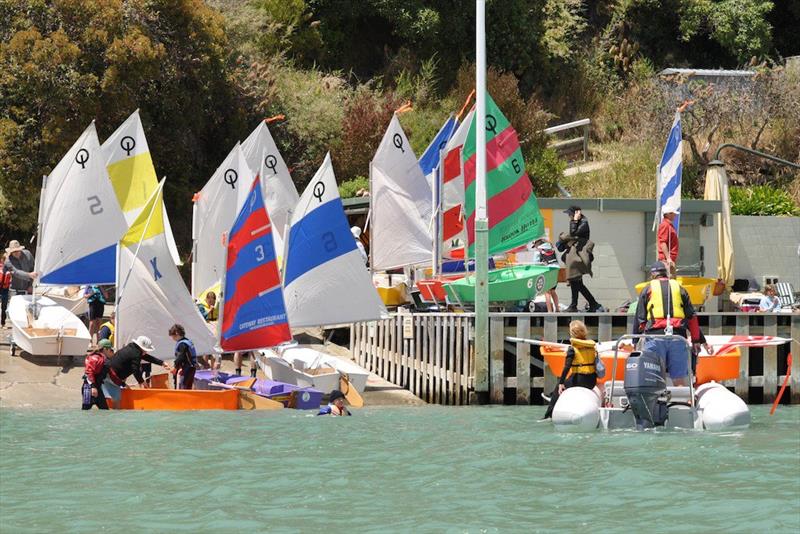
(151, 293)
(132, 173)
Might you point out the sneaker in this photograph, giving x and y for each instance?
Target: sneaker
(571, 309)
(596, 308)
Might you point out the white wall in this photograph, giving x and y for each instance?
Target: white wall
(618, 255)
(767, 246)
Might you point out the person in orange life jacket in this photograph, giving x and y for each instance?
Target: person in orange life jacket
(335, 405)
(128, 361)
(185, 363)
(664, 307)
(667, 239)
(96, 370)
(5, 289)
(579, 364)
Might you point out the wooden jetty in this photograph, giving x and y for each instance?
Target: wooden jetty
(432, 354)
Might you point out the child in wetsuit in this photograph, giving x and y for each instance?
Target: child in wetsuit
(579, 364)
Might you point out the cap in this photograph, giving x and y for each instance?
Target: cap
(668, 209)
(105, 344)
(658, 267)
(144, 343)
(336, 394)
(571, 210)
(356, 231)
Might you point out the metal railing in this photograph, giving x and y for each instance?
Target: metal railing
(582, 123)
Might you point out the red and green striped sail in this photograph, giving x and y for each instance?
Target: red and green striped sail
(514, 217)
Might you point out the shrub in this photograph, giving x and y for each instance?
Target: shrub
(762, 200)
(349, 188)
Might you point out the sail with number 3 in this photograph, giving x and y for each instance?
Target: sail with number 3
(253, 313)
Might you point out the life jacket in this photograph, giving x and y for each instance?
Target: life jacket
(585, 354)
(658, 308)
(110, 326)
(209, 313)
(5, 279)
(547, 254)
(192, 350)
(94, 367)
(97, 295)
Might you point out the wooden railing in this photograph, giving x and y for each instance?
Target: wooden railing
(432, 354)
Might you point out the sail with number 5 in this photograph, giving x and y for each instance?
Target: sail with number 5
(253, 313)
(80, 221)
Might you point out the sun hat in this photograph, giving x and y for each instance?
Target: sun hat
(356, 231)
(14, 246)
(336, 394)
(144, 343)
(105, 344)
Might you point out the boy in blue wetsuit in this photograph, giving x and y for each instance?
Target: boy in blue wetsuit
(335, 405)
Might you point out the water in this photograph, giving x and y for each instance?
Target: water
(396, 469)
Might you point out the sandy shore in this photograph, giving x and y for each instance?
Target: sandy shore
(51, 383)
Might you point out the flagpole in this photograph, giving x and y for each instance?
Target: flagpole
(481, 219)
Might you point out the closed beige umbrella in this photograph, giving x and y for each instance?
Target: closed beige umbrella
(717, 189)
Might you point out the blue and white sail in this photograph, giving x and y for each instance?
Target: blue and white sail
(80, 221)
(325, 279)
(429, 161)
(668, 192)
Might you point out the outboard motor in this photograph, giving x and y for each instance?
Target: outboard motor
(645, 382)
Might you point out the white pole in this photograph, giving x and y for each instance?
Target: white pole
(481, 217)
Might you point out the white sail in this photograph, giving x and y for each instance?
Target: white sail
(151, 293)
(132, 173)
(215, 209)
(401, 204)
(280, 194)
(80, 220)
(325, 278)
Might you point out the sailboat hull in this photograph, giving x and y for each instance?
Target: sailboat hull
(56, 332)
(511, 284)
(70, 297)
(306, 367)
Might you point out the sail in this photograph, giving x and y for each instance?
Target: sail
(132, 174)
(429, 160)
(454, 235)
(514, 217)
(80, 221)
(215, 209)
(150, 291)
(325, 279)
(401, 204)
(254, 314)
(280, 194)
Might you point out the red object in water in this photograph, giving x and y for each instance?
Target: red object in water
(785, 381)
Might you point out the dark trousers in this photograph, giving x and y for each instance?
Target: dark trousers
(186, 379)
(4, 302)
(576, 285)
(99, 400)
(574, 380)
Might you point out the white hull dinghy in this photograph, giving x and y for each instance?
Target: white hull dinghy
(307, 367)
(70, 297)
(644, 400)
(56, 331)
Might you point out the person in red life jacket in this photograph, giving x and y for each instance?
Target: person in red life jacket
(335, 405)
(664, 307)
(128, 361)
(185, 363)
(5, 289)
(96, 365)
(579, 364)
(667, 239)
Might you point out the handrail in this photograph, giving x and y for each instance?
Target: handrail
(758, 153)
(567, 126)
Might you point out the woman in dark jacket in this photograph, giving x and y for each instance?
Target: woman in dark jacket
(578, 258)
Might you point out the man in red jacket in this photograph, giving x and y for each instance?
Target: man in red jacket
(667, 239)
(96, 370)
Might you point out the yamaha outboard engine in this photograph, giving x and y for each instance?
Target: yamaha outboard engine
(645, 382)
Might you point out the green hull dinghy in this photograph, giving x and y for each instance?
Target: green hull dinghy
(517, 283)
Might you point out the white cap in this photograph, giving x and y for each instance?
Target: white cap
(144, 343)
(356, 231)
(668, 209)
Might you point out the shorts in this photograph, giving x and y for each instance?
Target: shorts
(96, 310)
(673, 352)
(112, 391)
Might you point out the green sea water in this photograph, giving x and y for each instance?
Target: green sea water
(426, 469)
